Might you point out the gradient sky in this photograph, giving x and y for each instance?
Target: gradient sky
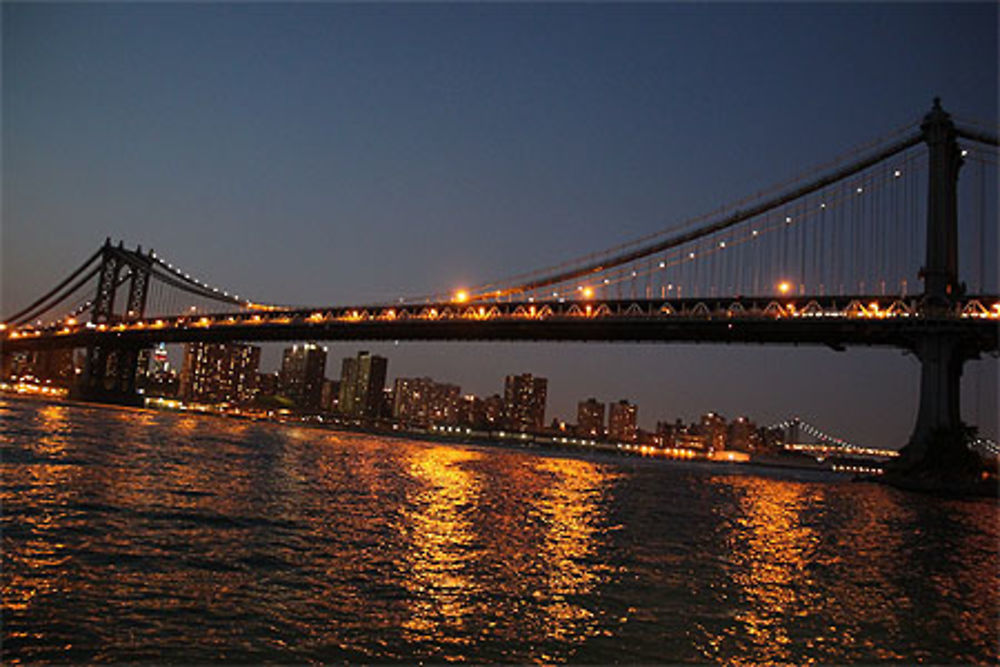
(327, 153)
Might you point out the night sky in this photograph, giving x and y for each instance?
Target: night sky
(326, 154)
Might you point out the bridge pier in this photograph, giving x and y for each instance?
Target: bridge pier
(937, 454)
(110, 372)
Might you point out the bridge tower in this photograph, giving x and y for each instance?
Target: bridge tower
(109, 374)
(937, 442)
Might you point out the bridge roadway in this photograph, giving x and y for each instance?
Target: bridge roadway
(837, 322)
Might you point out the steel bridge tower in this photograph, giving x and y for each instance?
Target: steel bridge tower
(109, 374)
(938, 439)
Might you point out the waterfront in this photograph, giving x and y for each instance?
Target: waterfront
(134, 535)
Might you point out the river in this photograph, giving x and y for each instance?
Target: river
(135, 535)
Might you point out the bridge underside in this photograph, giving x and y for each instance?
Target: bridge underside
(837, 333)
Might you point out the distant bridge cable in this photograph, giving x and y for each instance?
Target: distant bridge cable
(62, 297)
(55, 290)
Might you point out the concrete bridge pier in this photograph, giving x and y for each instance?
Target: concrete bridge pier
(939, 445)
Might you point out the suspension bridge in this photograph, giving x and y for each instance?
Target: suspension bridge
(861, 251)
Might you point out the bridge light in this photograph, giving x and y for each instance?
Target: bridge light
(788, 219)
(690, 255)
(860, 189)
(461, 296)
(663, 265)
(722, 244)
(784, 286)
(607, 281)
(754, 233)
(964, 152)
(588, 292)
(822, 205)
(897, 173)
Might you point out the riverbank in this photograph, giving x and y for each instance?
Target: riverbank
(556, 444)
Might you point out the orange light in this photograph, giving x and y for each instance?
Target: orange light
(784, 286)
(588, 292)
(461, 296)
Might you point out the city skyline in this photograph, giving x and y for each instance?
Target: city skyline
(388, 151)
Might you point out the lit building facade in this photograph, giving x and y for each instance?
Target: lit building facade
(524, 402)
(743, 435)
(219, 372)
(362, 384)
(715, 428)
(590, 418)
(302, 373)
(422, 401)
(622, 422)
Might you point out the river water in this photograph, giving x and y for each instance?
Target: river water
(132, 535)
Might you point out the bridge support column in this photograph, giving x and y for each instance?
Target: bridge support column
(938, 445)
(937, 456)
(109, 375)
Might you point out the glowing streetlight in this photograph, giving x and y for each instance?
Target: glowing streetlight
(784, 286)
(588, 292)
(461, 296)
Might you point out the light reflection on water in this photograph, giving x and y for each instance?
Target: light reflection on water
(133, 535)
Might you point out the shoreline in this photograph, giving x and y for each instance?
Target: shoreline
(538, 443)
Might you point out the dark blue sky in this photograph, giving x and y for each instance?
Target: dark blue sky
(324, 153)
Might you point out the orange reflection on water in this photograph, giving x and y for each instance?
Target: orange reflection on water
(440, 533)
(571, 506)
(771, 550)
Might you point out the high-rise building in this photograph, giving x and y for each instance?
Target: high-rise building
(348, 380)
(302, 373)
(219, 372)
(493, 411)
(743, 435)
(524, 402)
(715, 429)
(423, 401)
(329, 397)
(362, 383)
(622, 421)
(590, 418)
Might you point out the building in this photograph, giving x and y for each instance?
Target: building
(422, 401)
(330, 396)
(362, 384)
(622, 421)
(524, 402)
(301, 376)
(267, 384)
(53, 366)
(743, 435)
(690, 437)
(666, 433)
(155, 376)
(493, 412)
(590, 418)
(219, 372)
(716, 430)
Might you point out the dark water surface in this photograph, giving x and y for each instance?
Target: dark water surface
(133, 535)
